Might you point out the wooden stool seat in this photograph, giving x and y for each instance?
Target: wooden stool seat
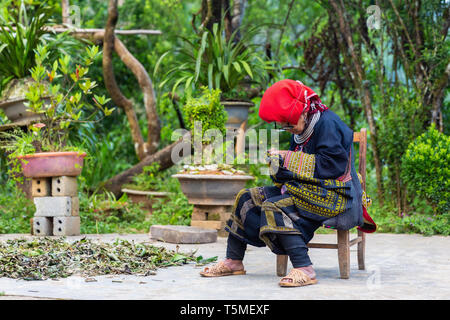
(343, 236)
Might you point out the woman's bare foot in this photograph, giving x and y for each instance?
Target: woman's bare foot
(227, 267)
(309, 270)
(234, 265)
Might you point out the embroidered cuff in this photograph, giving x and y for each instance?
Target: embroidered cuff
(301, 163)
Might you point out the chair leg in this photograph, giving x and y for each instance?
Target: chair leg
(344, 253)
(361, 250)
(282, 265)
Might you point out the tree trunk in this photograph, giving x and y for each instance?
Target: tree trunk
(163, 157)
(111, 43)
(361, 84)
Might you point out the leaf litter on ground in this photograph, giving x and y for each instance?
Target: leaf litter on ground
(53, 258)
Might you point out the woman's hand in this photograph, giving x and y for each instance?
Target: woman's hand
(280, 152)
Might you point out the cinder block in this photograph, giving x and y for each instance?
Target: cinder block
(56, 206)
(64, 186)
(42, 226)
(41, 187)
(66, 226)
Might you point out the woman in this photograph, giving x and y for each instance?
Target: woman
(315, 184)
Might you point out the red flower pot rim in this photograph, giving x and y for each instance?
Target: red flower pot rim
(53, 154)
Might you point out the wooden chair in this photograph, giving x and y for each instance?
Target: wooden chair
(343, 236)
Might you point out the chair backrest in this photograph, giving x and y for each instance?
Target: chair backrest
(361, 138)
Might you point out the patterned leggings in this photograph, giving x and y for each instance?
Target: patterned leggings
(249, 212)
(293, 244)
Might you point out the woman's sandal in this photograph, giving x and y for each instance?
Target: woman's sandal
(299, 279)
(219, 270)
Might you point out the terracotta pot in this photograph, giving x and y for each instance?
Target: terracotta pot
(52, 164)
(237, 112)
(211, 189)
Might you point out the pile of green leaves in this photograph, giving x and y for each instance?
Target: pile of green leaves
(44, 258)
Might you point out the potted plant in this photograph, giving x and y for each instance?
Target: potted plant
(21, 31)
(44, 149)
(209, 183)
(147, 186)
(212, 60)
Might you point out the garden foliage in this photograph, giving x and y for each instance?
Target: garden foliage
(425, 167)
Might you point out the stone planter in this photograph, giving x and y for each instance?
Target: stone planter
(52, 164)
(145, 197)
(212, 196)
(13, 102)
(237, 113)
(211, 189)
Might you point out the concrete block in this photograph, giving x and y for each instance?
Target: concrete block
(64, 186)
(41, 187)
(182, 234)
(56, 206)
(66, 226)
(42, 226)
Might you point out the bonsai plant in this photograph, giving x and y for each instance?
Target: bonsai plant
(206, 182)
(44, 150)
(212, 60)
(21, 31)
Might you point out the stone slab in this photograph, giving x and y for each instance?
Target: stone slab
(182, 234)
(56, 206)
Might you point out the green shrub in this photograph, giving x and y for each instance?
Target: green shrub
(425, 169)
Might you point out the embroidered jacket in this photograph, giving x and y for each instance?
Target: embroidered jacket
(320, 176)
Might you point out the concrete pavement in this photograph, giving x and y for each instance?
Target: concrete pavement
(398, 266)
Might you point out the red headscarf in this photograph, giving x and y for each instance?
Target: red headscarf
(285, 101)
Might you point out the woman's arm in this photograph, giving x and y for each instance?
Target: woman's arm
(331, 149)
